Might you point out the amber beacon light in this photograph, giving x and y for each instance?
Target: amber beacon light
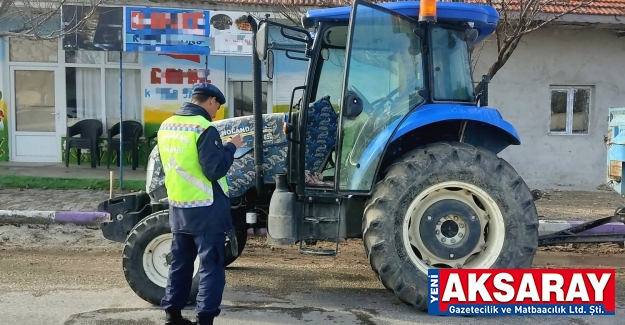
(427, 11)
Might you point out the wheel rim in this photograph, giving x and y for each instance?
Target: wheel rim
(156, 261)
(453, 225)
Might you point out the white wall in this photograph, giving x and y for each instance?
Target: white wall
(520, 90)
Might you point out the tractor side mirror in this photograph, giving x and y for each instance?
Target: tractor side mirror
(269, 64)
(353, 105)
(261, 37)
(470, 35)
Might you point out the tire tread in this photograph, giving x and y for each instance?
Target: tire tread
(380, 237)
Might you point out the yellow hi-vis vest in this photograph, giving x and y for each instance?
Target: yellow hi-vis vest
(187, 187)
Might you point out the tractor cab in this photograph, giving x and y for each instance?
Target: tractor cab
(369, 66)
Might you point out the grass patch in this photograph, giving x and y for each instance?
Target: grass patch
(13, 181)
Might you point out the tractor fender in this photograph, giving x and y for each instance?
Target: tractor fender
(500, 134)
(432, 113)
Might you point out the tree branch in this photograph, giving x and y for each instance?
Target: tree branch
(521, 17)
(29, 19)
(517, 18)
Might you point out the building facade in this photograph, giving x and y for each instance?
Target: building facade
(47, 86)
(555, 89)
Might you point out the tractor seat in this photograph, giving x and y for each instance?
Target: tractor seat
(321, 133)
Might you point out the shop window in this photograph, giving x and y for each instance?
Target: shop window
(23, 50)
(83, 57)
(85, 103)
(131, 83)
(82, 101)
(243, 96)
(96, 57)
(570, 110)
(93, 87)
(127, 57)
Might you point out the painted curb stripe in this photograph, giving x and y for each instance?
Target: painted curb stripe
(94, 219)
(80, 218)
(615, 227)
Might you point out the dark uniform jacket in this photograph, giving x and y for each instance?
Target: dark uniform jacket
(215, 159)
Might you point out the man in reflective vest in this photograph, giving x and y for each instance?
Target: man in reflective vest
(196, 162)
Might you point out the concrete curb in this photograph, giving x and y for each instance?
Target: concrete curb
(53, 217)
(94, 219)
(68, 217)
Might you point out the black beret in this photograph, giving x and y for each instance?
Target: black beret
(209, 90)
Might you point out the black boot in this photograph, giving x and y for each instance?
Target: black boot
(204, 319)
(174, 317)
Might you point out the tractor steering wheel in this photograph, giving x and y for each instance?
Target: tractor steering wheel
(368, 128)
(373, 108)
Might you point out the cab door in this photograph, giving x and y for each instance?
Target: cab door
(383, 75)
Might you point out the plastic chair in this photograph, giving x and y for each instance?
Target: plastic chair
(89, 131)
(132, 131)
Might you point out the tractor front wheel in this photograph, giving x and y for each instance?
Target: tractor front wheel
(146, 258)
(447, 205)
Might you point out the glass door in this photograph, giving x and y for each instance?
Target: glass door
(382, 79)
(35, 114)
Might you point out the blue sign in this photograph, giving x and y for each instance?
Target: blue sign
(167, 30)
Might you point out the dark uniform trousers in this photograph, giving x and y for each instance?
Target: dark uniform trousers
(200, 231)
(184, 249)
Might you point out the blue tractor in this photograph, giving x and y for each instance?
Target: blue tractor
(416, 173)
(389, 143)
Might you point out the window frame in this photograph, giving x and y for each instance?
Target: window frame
(103, 65)
(428, 64)
(230, 95)
(60, 68)
(570, 91)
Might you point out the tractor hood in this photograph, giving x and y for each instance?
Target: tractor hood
(241, 174)
(244, 126)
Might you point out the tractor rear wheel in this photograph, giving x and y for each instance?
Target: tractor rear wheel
(447, 205)
(146, 258)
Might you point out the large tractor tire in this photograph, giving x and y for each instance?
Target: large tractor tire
(146, 258)
(447, 205)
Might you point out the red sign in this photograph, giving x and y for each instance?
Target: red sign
(167, 20)
(173, 76)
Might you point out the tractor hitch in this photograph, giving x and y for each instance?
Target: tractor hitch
(572, 234)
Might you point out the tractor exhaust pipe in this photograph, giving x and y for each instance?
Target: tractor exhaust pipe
(258, 113)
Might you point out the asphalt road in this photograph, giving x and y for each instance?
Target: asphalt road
(68, 276)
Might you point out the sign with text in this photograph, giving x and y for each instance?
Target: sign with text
(231, 34)
(167, 30)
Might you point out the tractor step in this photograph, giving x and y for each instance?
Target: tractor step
(321, 221)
